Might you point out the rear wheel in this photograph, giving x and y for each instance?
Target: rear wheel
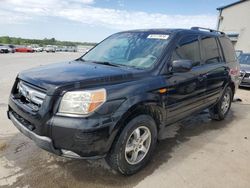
(220, 110)
(134, 146)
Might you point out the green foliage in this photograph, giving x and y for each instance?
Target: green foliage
(44, 42)
(5, 40)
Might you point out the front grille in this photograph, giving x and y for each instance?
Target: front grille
(24, 122)
(29, 95)
(245, 74)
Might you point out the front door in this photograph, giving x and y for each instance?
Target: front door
(186, 91)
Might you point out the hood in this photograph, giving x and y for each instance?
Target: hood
(245, 67)
(75, 74)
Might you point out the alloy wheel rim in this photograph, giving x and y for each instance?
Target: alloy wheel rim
(225, 103)
(137, 145)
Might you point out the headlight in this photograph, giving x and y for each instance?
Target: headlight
(82, 102)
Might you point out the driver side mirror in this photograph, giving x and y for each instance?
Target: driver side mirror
(182, 65)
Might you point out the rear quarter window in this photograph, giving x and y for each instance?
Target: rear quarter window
(228, 49)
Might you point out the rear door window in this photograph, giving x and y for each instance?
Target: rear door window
(228, 49)
(210, 50)
(188, 48)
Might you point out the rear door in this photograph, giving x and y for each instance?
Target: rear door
(217, 71)
(231, 59)
(186, 90)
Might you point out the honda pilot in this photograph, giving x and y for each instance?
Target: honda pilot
(115, 100)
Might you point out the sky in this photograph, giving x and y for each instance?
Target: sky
(94, 20)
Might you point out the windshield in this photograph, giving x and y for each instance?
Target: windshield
(139, 50)
(244, 59)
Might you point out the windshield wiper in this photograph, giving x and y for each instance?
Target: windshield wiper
(105, 63)
(112, 64)
(99, 62)
(80, 59)
(116, 64)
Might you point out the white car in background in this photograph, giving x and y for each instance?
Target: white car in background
(7, 49)
(3, 49)
(39, 49)
(50, 48)
(71, 49)
(36, 48)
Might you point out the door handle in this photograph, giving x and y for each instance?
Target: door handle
(201, 77)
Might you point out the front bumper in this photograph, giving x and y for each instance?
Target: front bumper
(42, 141)
(68, 141)
(74, 137)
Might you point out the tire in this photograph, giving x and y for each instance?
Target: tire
(121, 160)
(219, 111)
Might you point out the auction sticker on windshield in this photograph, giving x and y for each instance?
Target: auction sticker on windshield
(158, 36)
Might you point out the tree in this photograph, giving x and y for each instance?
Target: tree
(43, 42)
(5, 40)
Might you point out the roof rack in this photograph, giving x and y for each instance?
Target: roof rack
(207, 29)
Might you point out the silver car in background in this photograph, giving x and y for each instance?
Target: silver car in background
(244, 60)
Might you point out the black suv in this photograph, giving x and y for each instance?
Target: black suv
(115, 100)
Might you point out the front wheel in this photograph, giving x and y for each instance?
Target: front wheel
(134, 146)
(220, 110)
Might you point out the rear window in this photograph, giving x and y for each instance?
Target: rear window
(228, 49)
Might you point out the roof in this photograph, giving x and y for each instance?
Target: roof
(230, 5)
(172, 31)
(154, 30)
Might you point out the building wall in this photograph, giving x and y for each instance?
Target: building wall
(236, 19)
